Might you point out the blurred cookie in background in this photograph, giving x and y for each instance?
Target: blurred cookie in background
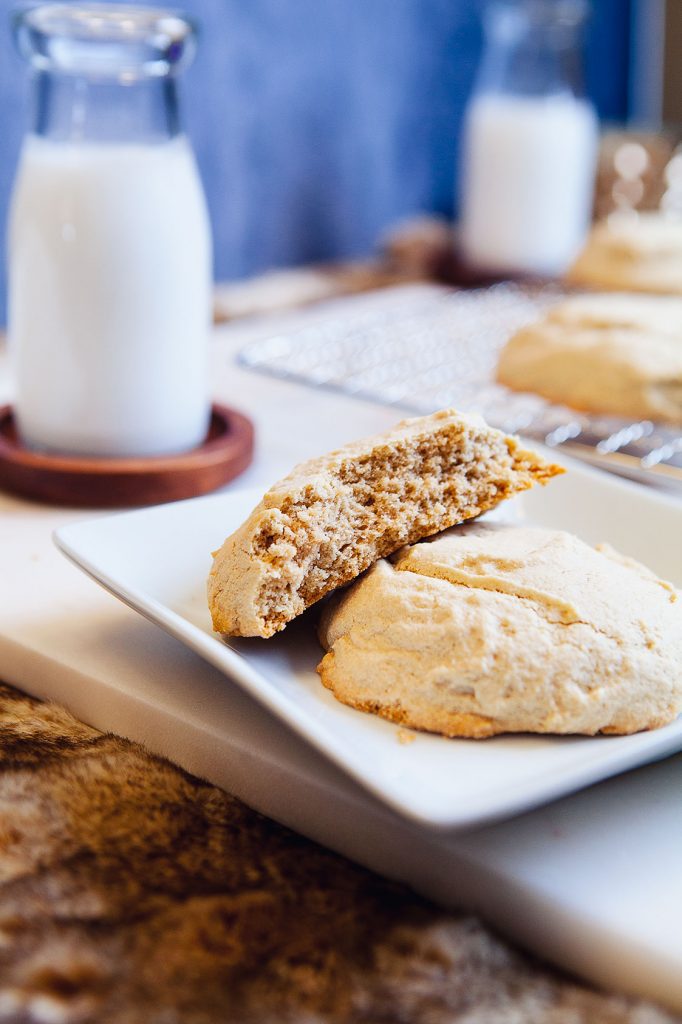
(619, 354)
(631, 251)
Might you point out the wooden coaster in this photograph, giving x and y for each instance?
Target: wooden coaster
(88, 482)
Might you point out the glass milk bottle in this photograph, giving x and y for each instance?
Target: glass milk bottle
(109, 242)
(530, 142)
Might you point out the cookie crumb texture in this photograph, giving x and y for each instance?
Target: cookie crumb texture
(491, 629)
(332, 517)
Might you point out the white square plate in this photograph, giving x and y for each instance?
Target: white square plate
(157, 561)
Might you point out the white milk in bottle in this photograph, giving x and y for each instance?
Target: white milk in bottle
(529, 143)
(109, 299)
(109, 241)
(528, 181)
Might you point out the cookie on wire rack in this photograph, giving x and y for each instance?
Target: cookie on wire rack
(610, 353)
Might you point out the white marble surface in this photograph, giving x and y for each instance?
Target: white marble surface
(591, 881)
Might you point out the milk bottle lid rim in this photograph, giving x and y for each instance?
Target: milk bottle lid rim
(109, 40)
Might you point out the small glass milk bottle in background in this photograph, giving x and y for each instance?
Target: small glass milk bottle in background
(529, 143)
(109, 241)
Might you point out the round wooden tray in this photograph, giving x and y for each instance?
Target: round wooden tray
(88, 482)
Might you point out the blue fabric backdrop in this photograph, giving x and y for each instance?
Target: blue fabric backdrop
(318, 122)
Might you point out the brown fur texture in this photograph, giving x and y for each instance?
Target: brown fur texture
(132, 892)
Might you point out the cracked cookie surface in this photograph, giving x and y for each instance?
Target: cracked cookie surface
(490, 628)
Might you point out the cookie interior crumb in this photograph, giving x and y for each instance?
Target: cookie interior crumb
(333, 517)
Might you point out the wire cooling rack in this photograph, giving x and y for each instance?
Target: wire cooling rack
(423, 348)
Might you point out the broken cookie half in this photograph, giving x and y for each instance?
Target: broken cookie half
(334, 516)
